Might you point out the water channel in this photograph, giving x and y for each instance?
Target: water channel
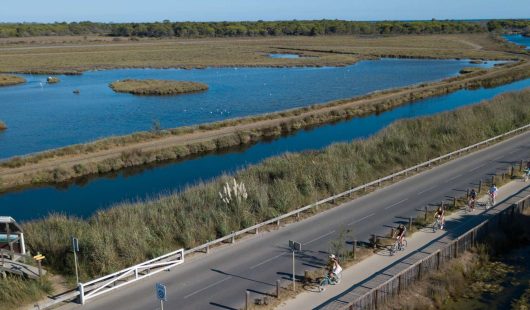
(83, 199)
(43, 116)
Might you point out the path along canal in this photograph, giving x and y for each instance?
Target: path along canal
(43, 116)
(83, 199)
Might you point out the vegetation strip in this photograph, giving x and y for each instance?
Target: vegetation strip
(141, 148)
(8, 80)
(157, 87)
(274, 187)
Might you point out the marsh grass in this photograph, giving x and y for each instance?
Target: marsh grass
(8, 80)
(157, 87)
(132, 232)
(16, 291)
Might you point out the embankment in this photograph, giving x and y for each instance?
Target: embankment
(142, 148)
(274, 187)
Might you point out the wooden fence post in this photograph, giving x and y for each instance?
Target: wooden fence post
(521, 166)
(480, 185)
(410, 223)
(454, 202)
(511, 173)
(354, 249)
(492, 179)
(374, 240)
(247, 300)
(277, 288)
(426, 210)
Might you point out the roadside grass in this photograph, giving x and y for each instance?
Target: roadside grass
(132, 232)
(285, 122)
(157, 87)
(16, 291)
(8, 80)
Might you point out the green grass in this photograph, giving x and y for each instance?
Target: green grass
(131, 232)
(16, 291)
(157, 87)
(8, 80)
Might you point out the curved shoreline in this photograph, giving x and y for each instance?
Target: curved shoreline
(113, 154)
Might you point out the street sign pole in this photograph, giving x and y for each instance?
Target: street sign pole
(295, 246)
(160, 290)
(75, 249)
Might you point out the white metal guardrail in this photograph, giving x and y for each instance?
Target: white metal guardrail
(107, 283)
(377, 182)
(129, 275)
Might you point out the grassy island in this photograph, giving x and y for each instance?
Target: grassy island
(52, 80)
(157, 87)
(8, 80)
(3, 126)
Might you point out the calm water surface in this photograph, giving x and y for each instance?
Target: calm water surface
(83, 200)
(42, 116)
(285, 56)
(518, 39)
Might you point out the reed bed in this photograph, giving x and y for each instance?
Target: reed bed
(9, 80)
(157, 87)
(132, 232)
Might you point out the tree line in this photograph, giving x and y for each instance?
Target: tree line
(252, 29)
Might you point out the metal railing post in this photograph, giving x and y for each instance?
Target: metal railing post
(81, 290)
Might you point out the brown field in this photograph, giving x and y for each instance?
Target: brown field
(76, 54)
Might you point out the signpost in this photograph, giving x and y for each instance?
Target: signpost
(294, 246)
(75, 249)
(160, 290)
(39, 257)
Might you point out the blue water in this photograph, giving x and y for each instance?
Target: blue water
(285, 56)
(83, 200)
(42, 116)
(518, 39)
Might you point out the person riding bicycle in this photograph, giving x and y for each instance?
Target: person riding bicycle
(334, 268)
(440, 215)
(400, 232)
(493, 192)
(472, 198)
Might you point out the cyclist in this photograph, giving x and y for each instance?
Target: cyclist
(493, 193)
(334, 268)
(526, 173)
(440, 215)
(472, 198)
(400, 232)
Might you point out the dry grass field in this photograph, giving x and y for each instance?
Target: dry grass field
(76, 54)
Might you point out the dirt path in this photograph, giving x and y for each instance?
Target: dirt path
(9, 175)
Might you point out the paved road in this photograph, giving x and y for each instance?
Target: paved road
(219, 280)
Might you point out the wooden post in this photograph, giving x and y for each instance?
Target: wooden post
(511, 173)
(374, 240)
(399, 285)
(419, 270)
(492, 179)
(467, 194)
(40, 268)
(480, 185)
(426, 210)
(277, 288)
(521, 166)
(456, 248)
(354, 249)
(454, 202)
(410, 223)
(391, 232)
(438, 260)
(351, 192)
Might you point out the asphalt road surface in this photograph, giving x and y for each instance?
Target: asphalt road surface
(219, 279)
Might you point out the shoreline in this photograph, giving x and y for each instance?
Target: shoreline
(138, 149)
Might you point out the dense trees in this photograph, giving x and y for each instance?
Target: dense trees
(252, 29)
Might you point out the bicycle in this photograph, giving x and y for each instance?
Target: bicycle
(526, 175)
(491, 200)
(437, 224)
(328, 280)
(470, 207)
(398, 246)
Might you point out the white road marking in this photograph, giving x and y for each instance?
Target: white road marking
(477, 167)
(207, 287)
(453, 178)
(395, 204)
(426, 190)
(266, 261)
(318, 238)
(361, 219)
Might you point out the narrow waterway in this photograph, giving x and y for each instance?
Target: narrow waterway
(93, 194)
(518, 39)
(43, 116)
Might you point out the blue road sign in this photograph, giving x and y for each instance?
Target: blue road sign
(161, 291)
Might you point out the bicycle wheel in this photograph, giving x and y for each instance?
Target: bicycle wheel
(403, 244)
